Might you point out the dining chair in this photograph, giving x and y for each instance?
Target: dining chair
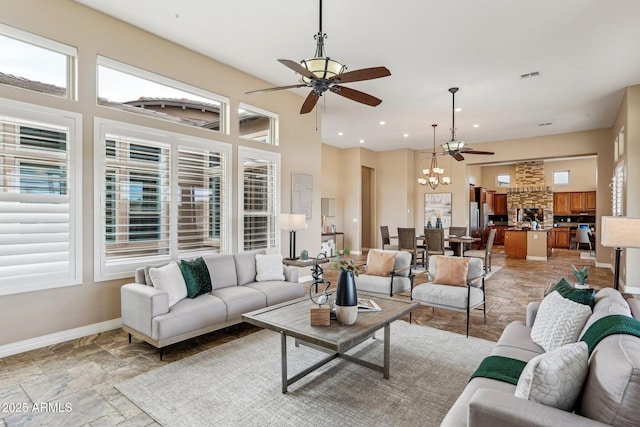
(582, 237)
(407, 242)
(386, 239)
(434, 242)
(484, 254)
(457, 231)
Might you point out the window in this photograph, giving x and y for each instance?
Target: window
(259, 186)
(503, 180)
(40, 187)
(35, 63)
(164, 196)
(617, 183)
(134, 90)
(560, 177)
(257, 124)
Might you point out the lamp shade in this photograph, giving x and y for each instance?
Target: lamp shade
(292, 221)
(620, 232)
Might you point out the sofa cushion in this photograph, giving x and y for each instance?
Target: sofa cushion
(559, 321)
(451, 271)
(608, 302)
(445, 296)
(516, 343)
(196, 277)
(555, 378)
(581, 296)
(222, 269)
(380, 263)
(187, 316)
(269, 267)
(169, 279)
(279, 291)
(246, 266)
(612, 390)
(240, 299)
(382, 285)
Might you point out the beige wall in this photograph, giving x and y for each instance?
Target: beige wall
(36, 314)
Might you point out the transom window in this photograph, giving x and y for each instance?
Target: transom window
(164, 196)
(257, 125)
(36, 63)
(134, 90)
(503, 180)
(560, 177)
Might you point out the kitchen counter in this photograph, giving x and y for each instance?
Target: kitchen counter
(525, 243)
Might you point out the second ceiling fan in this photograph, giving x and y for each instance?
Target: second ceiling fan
(454, 147)
(323, 74)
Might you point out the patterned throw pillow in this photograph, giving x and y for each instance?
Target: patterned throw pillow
(196, 276)
(555, 378)
(380, 263)
(451, 270)
(558, 321)
(269, 267)
(169, 279)
(581, 296)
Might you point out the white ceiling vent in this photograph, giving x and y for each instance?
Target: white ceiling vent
(530, 75)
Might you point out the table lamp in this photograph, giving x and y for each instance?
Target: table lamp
(619, 232)
(292, 222)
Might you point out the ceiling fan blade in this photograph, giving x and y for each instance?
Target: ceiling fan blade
(356, 95)
(276, 88)
(362, 74)
(458, 157)
(309, 103)
(297, 68)
(490, 153)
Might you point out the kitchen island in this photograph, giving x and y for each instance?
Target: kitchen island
(525, 243)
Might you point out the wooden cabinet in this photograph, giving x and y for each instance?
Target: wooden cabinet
(578, 202)
(561, 237)
(590, 200)
(500, 204)
(472, 193)
(562, 203)
(515, 244)
(491, 202)
(499, 237)
(481, 195)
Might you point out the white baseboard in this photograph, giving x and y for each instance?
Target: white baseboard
(58, 337)
(604, 265)
(536, 258)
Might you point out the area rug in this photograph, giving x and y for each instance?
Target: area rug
(587, 255)
(238, 383)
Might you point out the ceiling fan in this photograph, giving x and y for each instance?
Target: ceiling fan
(322, 74)
(454, 147)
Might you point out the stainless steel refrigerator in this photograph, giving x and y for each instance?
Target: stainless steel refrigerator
(478, 219)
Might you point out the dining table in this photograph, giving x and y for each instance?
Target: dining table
(460, 242)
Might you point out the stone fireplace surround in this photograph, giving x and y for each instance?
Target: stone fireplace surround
(530, 191)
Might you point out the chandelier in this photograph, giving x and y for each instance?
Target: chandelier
(433, 175)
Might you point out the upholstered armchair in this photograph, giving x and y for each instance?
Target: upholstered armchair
(455, 283)
(386, 272)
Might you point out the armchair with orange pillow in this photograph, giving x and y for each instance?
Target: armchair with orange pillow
(386, 272)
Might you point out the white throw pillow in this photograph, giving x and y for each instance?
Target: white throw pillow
(169, 279)
(269, 267)
(558, 321)
(555, 378)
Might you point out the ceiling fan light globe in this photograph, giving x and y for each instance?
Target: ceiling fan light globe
(322, 67)
(452, 146)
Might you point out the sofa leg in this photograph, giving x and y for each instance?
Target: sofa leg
(129, 338)
(161, 353)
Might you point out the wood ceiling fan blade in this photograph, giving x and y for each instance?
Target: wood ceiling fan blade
(356, 95)
(458, 157)
(297, 68)
(362, 74)
(309, 103)
(270, 89)
(490, 153)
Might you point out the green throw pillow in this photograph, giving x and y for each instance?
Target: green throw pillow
(581, 296)
(196, 276)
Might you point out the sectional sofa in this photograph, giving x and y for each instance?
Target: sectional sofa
(236, 288)
(610, 395)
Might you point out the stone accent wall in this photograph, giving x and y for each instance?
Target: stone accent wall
(530, 191)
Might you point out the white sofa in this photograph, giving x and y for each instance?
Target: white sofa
(146, 313)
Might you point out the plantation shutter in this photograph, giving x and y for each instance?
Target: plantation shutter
(616, 189)
(202, 201)
(35, 204)
(259, 183)
(137, 199)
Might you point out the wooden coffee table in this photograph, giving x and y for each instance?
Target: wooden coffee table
(292, 319)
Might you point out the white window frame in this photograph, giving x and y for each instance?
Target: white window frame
(254, 153)
(69, 51)
(499, 184)
(166, 81)
(555, 182)
(274, 123)
(104, 270)
(73, 121)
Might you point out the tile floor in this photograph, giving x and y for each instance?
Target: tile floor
(76, 378)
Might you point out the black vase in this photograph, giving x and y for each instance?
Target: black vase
(346, 298)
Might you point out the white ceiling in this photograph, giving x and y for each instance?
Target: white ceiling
(586, 52)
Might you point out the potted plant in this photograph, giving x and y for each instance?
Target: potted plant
(346, 296)
(581, 275)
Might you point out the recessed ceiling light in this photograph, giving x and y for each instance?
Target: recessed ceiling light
(340, 133)
(405, 135)
(476, 125)
(530, 75)
(382, 123)
(458, 109)
(545, 124)
(362, 141)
